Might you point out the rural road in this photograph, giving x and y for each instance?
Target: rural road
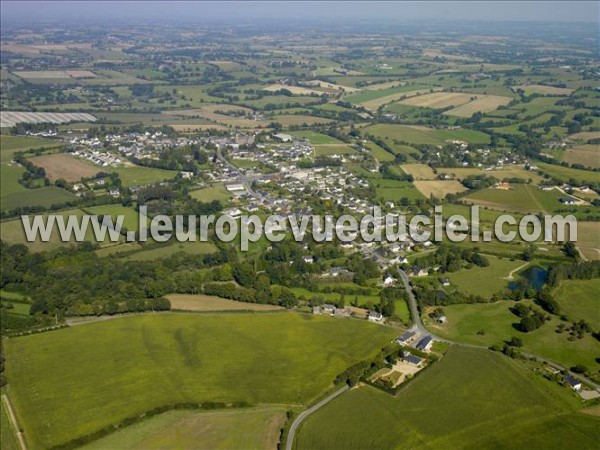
(308, 412)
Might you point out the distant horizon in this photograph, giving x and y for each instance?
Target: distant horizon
(238, 12)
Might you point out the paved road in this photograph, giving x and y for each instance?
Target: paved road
(308, 412)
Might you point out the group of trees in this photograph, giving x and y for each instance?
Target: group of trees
(452, 258)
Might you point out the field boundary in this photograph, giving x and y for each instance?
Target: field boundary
(13, 422)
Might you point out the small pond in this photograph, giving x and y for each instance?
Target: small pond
(534, 277)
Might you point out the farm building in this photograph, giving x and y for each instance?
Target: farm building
(405, 338)
(412, 359)
(425, 344)
(573, 382)
(375, 316)
(283, 137)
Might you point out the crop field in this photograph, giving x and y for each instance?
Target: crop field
(11, 118)
(442, 410)
(495, 276)
(214, 192)
(424, 135)
(544, 90)
(179, 358)
(492, 323)
(505, 172)
(255, 428)
(419, 171)
(588, 239)
(578, 299)
(377, 102)
(586, 155)
(439, 100)
(439, 188)
(519, 198)
(481, 103)
(206, 303)
(67, 167)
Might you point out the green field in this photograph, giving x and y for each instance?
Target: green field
(578, 299)
(131, 219)
(139, 176)
(469, 280)
(424, 135)
(165, 251)
(565, 174)
(465, 323)
(251, 429)
(14, 195)
(214, 192)
(8, 439)
(316, 138)
(11, 144)
(394, 190)
(470, 399)
(519, 198)
(61, 392)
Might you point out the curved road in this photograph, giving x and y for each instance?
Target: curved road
(308, 412)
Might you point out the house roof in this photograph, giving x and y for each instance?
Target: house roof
(424, 342)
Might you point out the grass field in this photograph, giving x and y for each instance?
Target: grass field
(165, 251)
(259, 358)
(394, 190)
(14, 195)
(8, 438)
(211, 303)
(578, 299)
(12, 231)
(62, 165)
(493, 323)
(419, 171)
(140, 176)
(249, 428)
(11, 144)
(470, 399)
(565, 174)
(131, 219)
(439, 188)
(214, 192)
(423, 135)
(519, 198)
(469, 280)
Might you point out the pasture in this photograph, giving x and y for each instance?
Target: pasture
(9, 145)
(578, 299)
(519, 198)
(154, 252)
(394, 190)
(492, 323)
(248, 428)
(588, 239)
(506, 172)
(207, 303)
(495, 276)
(258, 358)
(214, 192)
(65, 166)
(462, 401)
(439, 188)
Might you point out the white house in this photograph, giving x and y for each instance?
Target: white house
(375, 316)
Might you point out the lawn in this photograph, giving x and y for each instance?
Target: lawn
(136, 363)
(206, 303)
(249, 428)
(469, 280)
(470, 399)
(492, 323)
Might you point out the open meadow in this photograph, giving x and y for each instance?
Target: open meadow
(269, 358)
(439, 188)
(463, 401)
